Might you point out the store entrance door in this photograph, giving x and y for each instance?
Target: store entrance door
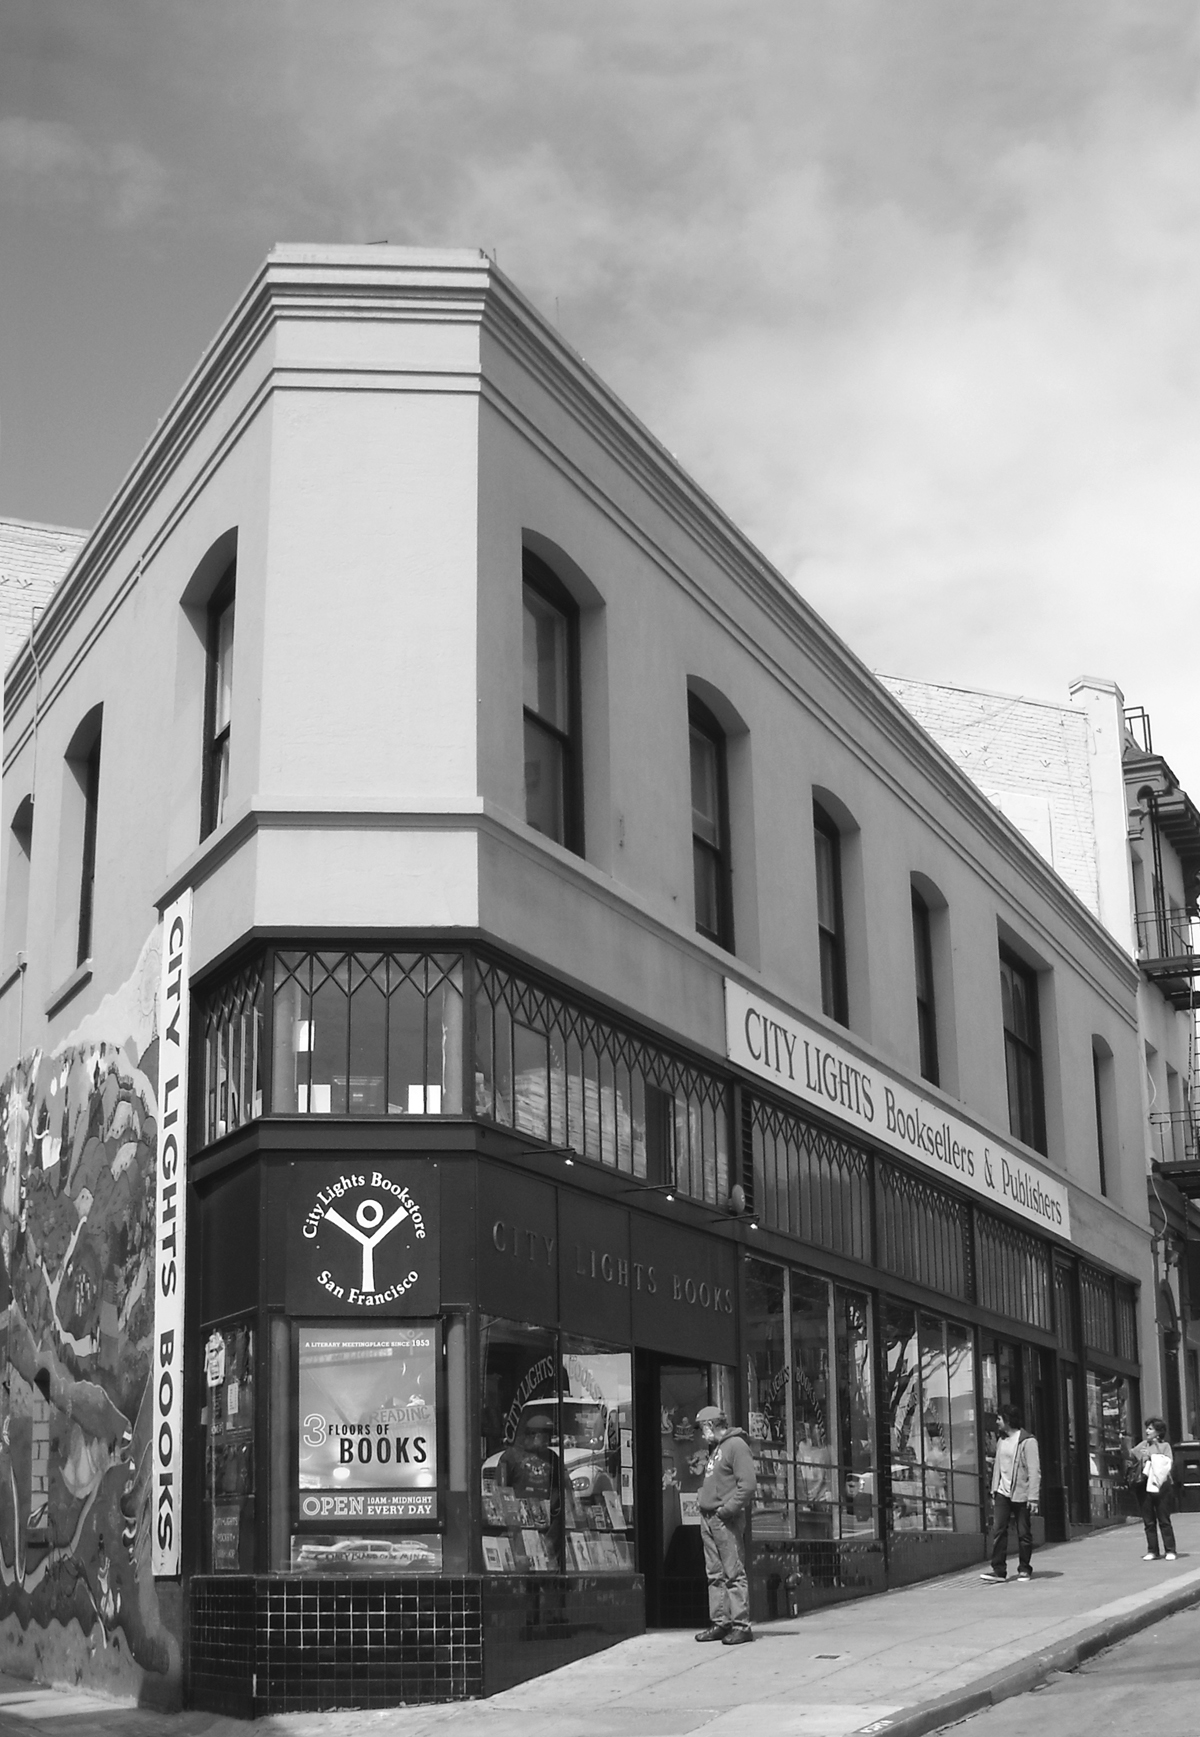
(670, 1470)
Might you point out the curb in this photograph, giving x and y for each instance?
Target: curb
(1028, 1673)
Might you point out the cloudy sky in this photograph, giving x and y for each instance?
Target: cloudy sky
(912, 287)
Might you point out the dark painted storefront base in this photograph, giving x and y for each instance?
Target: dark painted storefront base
(791, 1577)
(263, 1644)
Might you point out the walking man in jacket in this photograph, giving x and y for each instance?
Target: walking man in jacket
(725, 1499)
(1016, 1486)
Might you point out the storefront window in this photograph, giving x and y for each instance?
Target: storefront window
(813, 1427)
(228, 1419)
(856, 1413)
(930, 1370)
(768, 1379)
(1110, 1414)
(812, 1436)
(557, 1472)
(595, 1440)
(368, 1447)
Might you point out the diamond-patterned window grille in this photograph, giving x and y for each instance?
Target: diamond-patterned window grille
(808, 1182)
(922, 1232)
(367, 1034)
(1127, 1337)
(552, 1071)
(1013, 1271)
(231, 1023)
(1064, 1306)
(1096, 1290)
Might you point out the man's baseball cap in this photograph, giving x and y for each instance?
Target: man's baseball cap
(538, 1422)
(710, 1414)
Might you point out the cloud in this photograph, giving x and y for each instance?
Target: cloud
(48, 163)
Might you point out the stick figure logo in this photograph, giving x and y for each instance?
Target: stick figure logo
(371, 1229)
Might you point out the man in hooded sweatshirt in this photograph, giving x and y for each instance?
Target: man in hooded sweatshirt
(725, 1499)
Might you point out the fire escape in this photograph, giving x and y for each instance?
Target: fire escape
(1168, 935)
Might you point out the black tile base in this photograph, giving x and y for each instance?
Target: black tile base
(259, 1644)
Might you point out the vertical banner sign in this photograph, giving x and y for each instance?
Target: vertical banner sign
(170, 1234)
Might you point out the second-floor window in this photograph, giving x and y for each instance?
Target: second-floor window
(831, 933)
(1022, 1051)
(218, 705)
(710, 826)
(926, 1007)
(89, 777)
(551, 704)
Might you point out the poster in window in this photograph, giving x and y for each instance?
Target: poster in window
(368, 1422)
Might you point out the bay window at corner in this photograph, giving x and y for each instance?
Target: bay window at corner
(303, 1033)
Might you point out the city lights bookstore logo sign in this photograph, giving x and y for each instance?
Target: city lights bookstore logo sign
(366, 1241)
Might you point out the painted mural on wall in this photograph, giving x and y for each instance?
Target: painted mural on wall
(77, 1138)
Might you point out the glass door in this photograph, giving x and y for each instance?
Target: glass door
(671, 1459)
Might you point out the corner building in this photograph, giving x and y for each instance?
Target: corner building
(588, 995)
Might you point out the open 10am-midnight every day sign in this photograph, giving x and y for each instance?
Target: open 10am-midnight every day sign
(800, 1060)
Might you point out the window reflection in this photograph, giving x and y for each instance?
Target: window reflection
(367, 1034)
(557, 1473)
(811, 1405)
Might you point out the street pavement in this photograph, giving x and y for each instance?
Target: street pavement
(899, 1664)
(1145, 1684)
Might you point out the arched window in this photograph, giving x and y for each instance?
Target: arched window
(218, 703)
(553, 793)
(831, 927)
(926, 999)
(710, 825)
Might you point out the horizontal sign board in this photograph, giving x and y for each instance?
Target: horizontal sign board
(802, 1061)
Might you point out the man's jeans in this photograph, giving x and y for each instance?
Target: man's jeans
(1006, 1510)
(725, 1566)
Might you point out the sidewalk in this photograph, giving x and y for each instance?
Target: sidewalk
(902, 1663)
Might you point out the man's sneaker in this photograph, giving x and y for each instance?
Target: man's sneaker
(737, 1637)
(990, 1574)
(1150, 1556)
(717, 1632)
(1170, 1556)
(1024, 1574)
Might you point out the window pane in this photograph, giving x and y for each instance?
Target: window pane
(330, 1039)
(594, 1436)
(902, 1373)
(768, 1373)
(293, 1037)
(531, 1083)
(445, 1012)
(406, 1044)
(522, 1471)
(220, 780)
(935, 1425)
(827, 877)
(545, 658)
(856, 1416)
(368, 1025)
(964, 1437)
(706, 875)
(706, 814)
(813, 1427)
(223, 671)
(544, 777)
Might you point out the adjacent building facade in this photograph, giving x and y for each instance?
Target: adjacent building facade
(1085, 786)
(501, 975)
